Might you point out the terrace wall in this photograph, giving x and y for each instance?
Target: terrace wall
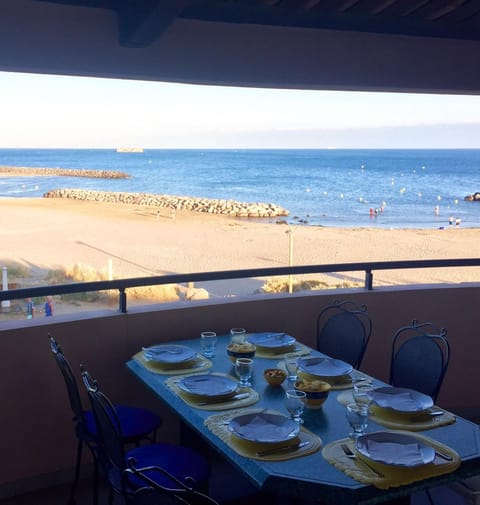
(36, 422)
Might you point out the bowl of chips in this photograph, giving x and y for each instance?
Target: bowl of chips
(316, 390)
(240, 350)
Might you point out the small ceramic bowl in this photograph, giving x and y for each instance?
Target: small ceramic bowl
(317, 392)
(245, 350)
(274, 376)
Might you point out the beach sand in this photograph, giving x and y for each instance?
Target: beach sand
(46, 234)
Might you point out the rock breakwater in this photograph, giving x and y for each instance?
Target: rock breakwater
(70, 172)
(210, 206)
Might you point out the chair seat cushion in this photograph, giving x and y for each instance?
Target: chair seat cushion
(178, 460)
(136, 423)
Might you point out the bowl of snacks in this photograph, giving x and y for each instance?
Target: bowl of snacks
(240, 350)
(316, 390)
(274, 376)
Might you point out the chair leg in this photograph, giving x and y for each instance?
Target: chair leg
(429, 496)
(71, 499)
(95, 479)
(110, 496)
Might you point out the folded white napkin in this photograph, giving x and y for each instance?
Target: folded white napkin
(400, 401)
(325, 366)
(206, 385)
(159, 351)
(261, 429)
(392, 453)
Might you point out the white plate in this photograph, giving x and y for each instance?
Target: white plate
(168, 353)
(208, 385)
(400, 399)
(271, 340)
(324, 367)
(262, 427)
(395, 449)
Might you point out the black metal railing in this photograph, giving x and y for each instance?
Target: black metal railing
(122, 284)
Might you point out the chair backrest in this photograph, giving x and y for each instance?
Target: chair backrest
(109, 433)
(420, 358)
(70, 382)
(343, 331)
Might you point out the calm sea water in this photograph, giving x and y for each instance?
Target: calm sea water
(321, 187)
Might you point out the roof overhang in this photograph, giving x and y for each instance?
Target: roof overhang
(376, 45)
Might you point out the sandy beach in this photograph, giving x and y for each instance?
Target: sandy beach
(46, 234)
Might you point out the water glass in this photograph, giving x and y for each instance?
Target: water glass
(244, 369)
(357, 416)
(237, 335)
(208, 340)
(362, 391)
(295, 403)
(291, 365)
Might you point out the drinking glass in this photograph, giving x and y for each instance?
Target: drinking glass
(237, 335)
(208, 340)
(291, 365)
(357, 416)
(361, 393)
(295, 403)
(243, 369)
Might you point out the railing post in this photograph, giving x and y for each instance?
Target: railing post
(368, 280)
(289, 232)
(5, 303)
(122, 300)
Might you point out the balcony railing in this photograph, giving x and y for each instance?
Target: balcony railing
(123, 284)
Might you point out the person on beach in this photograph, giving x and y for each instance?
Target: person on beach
(30, 309)
(48, 306)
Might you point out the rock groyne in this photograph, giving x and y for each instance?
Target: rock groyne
(70, 172)
(210, 206)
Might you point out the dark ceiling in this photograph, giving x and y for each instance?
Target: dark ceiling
(452, 19)
(378, 45)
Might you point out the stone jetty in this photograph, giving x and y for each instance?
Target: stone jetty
(210, 206)
(70, 172)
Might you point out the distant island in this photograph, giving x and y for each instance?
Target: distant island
(129, 150)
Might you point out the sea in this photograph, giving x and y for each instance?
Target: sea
(384, 188)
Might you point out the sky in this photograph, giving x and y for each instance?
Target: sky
(81, 112)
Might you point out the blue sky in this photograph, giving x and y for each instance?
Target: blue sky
(60, 111)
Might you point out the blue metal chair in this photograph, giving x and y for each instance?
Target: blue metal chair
(343, 331)
(419, 361)
(137, 424)
(420, 358)
(178, 464)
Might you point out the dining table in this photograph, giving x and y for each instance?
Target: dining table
(320, 472)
